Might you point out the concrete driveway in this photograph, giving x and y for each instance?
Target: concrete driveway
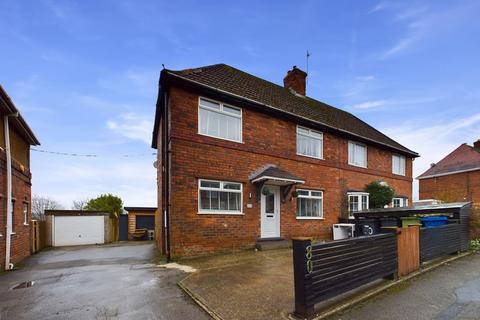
(96, 282)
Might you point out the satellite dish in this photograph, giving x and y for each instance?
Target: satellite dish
(155, 164)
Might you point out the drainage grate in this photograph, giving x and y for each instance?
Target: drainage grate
(23, 285)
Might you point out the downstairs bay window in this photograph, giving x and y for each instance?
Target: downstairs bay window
(219, 197)
(309, 204)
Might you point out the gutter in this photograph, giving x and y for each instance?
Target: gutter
(411, 153)
(8, 239)
(447, 173)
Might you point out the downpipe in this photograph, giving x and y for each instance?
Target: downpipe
(8, 236)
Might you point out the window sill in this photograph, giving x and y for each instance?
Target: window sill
(225, 139)
(310, 218)
(311, 157)
(398, 174)
(222, 213)
(358, 166)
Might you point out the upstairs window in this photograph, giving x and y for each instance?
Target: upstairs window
(219, 197)
(398, 164)
(309, 143)
(357, 201)
(309, 204)
(357, 154)
(218, 120)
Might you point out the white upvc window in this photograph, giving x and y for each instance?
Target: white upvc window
(25, 213)
(357, 201)
(357, 154)
(398, 164)
(218, 120)
(309, 143)
(399, 202)
(219, 197)
(309, 204)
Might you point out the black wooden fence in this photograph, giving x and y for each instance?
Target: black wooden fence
(322, 271)
(440, 241)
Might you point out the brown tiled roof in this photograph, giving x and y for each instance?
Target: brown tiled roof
(243, 85)
(464, 158)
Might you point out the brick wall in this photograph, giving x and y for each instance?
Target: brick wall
(458, 187)
(21, 185)
(451, 188)
(266, 140)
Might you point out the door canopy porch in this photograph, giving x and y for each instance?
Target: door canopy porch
(273, 175)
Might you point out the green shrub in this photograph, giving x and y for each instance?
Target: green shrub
(381, 194)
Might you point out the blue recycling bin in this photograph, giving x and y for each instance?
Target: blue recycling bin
(431, 222)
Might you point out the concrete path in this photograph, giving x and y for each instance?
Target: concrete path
(451, 291)
(96, 282)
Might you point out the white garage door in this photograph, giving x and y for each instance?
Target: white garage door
(71, 231)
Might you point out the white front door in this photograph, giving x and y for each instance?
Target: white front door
(270, 212)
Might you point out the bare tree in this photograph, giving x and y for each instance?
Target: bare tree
(40, 204)
(79, 204)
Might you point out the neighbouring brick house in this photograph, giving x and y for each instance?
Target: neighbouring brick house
(455, 178)
(241, 159)
(20, 139)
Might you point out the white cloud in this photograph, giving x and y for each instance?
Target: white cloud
(370, 104)
(133, 179)
(366, 78)
(434, 139)
(132, 126)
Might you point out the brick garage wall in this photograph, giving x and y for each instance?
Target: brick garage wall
(21, 187)
(266, 140)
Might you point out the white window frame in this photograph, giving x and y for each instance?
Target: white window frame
(25, 213)
(309, 196)
(222, 183)
(403, 202)
(359, 196)
(353, 144)
(309, 135)
(402, 160)
(200, 106)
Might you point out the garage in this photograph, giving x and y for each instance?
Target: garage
(141, 223)
(73, 228)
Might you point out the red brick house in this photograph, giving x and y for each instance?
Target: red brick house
(454, 178)
(241, 159)
(15, 183)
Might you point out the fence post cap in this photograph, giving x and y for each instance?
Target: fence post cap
(302, 238)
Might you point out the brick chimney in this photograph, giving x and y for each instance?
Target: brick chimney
(295, 80)
(476, 145)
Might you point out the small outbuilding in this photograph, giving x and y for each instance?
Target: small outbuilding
(77, 227)
(141, 223)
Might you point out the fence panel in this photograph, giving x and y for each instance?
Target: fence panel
(322, 271)
(440, 241)
(408, 250)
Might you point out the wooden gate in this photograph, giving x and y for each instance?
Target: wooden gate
(39, 234)
(408, 244)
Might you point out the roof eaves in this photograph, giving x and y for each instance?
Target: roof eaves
(441, 174)
(410, 152)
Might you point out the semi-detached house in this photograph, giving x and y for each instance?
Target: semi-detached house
(241, 159)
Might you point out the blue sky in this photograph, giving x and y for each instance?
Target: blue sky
(84, 74)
